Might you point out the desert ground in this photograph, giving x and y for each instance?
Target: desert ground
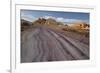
(47, 40)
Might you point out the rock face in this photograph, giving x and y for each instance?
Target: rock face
(43, 21)
(39, 22)
(52, 23)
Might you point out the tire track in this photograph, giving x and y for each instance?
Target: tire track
(58, 46)
(76, 53)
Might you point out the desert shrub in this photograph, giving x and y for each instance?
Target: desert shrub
(65, 29)
(69, 29)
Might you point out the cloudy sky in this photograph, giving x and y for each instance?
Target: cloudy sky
(66, 17)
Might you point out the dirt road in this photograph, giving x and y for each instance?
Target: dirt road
(43, 44)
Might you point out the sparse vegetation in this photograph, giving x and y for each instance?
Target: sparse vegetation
(83, 32)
